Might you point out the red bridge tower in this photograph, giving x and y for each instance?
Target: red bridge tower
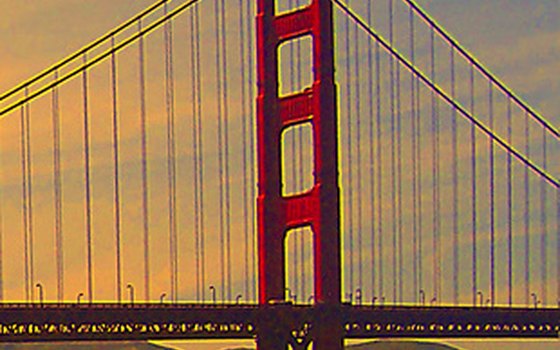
(317, 208)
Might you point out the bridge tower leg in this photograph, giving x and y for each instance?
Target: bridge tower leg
(318, 207)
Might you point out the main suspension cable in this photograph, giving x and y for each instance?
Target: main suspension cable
(432, 86)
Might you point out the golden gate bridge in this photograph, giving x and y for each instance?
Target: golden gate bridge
(332, 169)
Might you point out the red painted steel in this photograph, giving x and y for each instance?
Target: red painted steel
(319, 207)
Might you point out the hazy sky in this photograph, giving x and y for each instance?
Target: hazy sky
(519, 40)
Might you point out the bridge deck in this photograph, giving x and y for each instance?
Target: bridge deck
(70, 321)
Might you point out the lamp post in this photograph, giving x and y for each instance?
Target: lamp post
(161, 297)
(130, 287)
(359, 296)
(40, 288)
(290, 295)
(237, 298)
(213, 291)
(479, 293)
(422, 297)
(79, 297)
(535, 300)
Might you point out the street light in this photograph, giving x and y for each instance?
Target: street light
(161, 297)
(535, 300)
(213, 290)
(422, 297)
(40, 287)
(131, 289)
(479, 293)
(237, 298)
(290, 295)
(359, 296)
(79, 297)
(373, 300)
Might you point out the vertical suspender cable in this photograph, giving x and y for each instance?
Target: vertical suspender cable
(195, 146)
(223, 47)
(299, 83)
(1, 236)
(227, 146)
(379, 167)
(436, 261)
(399, 183)
(294, 188)
(171, 162)
(455, 173)
(544, 240)
(244, 118)
(24, 203)
(419, 181)
(492, 199)
(473, 189)
(219, 82)
(415, 283)
(200, 149)
(393, 156)
(371, 149)
(117, 203)
(251, 149)
(57, 193)
(350, 207)
(29, 200)
(88, 223)
(358, 154)
(526, 221)
(144, 151)
(509, 209)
